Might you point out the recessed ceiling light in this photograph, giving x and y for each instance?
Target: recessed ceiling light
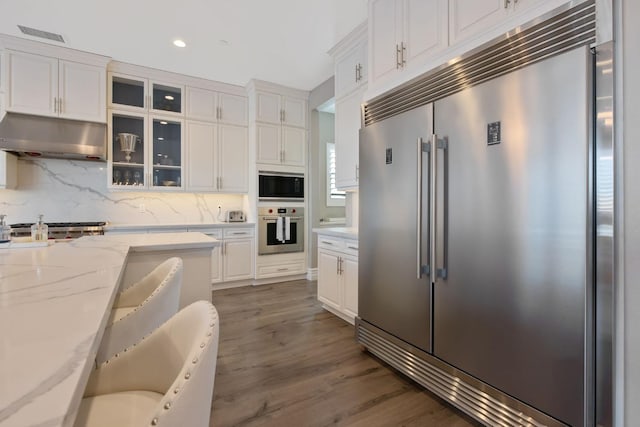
(163, 122)
(179, 43)
(168, 97)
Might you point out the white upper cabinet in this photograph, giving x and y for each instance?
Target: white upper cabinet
(47, 86)
(268, 108)
(278, 123)
(209, 105)
(233, 109)
(404, 32)
(280, 109)
(233, 158)
(202, 104)
(468, 18)
(33, 84)
(217, 157)
(347, 128)
(294, 112)
(280, 145)
(294, 146)
(82, 91)
(351, 67)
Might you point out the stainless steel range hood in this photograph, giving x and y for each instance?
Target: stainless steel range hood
(50, 137)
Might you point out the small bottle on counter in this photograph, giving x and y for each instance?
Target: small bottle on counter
(5, 230)
(39, 230)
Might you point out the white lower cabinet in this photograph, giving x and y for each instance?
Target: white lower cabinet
(232, 260)
(338, 276)
(280, 265)
(237, 257)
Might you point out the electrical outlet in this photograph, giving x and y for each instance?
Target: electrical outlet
(142, 208)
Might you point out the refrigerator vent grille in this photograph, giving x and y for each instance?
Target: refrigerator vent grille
(473, 401)
(565, 31)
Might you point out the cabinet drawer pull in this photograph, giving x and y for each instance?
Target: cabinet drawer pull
(239, 233)
(283, 269)
(327, 243)
(355, 248)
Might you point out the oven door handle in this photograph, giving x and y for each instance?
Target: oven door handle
(275, 218)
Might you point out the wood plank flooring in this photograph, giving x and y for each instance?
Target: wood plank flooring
(284, 361)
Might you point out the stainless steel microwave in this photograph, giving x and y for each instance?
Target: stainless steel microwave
(278, 186)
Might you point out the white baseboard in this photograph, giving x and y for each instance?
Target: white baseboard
(312, 274)
(270, 280)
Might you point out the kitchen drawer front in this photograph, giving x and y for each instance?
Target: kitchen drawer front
(237, 233)
(213, 232)
(281, 269)
(331, 243)
(351, 247)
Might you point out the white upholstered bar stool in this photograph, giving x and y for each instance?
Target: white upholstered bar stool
(166, 379)
(142, 307)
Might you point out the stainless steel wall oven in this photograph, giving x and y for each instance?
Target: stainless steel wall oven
(280, 230)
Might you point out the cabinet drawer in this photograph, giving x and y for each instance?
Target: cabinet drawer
(237, 233)
(281, 269)
(351, 247)
(213, 232)
(331, 243)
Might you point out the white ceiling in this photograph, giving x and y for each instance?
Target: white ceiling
(281, 41)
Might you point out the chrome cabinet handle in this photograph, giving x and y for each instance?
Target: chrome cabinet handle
(398, 51)
(404, 50)
(355, 248)
(356, 70)
(327, 243)
(60, 105)
(338, 266)
(283, 269)
(506, 3)
(55, 105)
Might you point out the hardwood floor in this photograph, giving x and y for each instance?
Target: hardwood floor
(284, 361)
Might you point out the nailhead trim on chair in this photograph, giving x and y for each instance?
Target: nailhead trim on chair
(162, 284)
(195, 360)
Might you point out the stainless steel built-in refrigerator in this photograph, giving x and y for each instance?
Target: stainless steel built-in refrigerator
(477, 241)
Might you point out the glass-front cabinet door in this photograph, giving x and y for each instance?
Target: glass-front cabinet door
(127, 152)
(128, 92)
(168, 153)
(166, 98)
(141, 94)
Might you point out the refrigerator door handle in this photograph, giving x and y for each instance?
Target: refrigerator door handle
(439, 272)
(422, 147)
(433, 171)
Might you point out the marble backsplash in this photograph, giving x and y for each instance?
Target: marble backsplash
(67, 190)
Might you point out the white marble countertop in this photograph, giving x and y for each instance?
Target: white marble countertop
(189, 226)
(346, 232)
(54, 304)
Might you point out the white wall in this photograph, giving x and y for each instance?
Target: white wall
(65, 190)
(630, 91)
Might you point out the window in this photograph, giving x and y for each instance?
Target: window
(335, 197)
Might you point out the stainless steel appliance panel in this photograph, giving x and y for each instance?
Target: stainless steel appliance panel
(394, 286)
(511, 311)
(273, 238)
(279, 186)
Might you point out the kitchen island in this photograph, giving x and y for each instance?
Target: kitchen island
(54, 305)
